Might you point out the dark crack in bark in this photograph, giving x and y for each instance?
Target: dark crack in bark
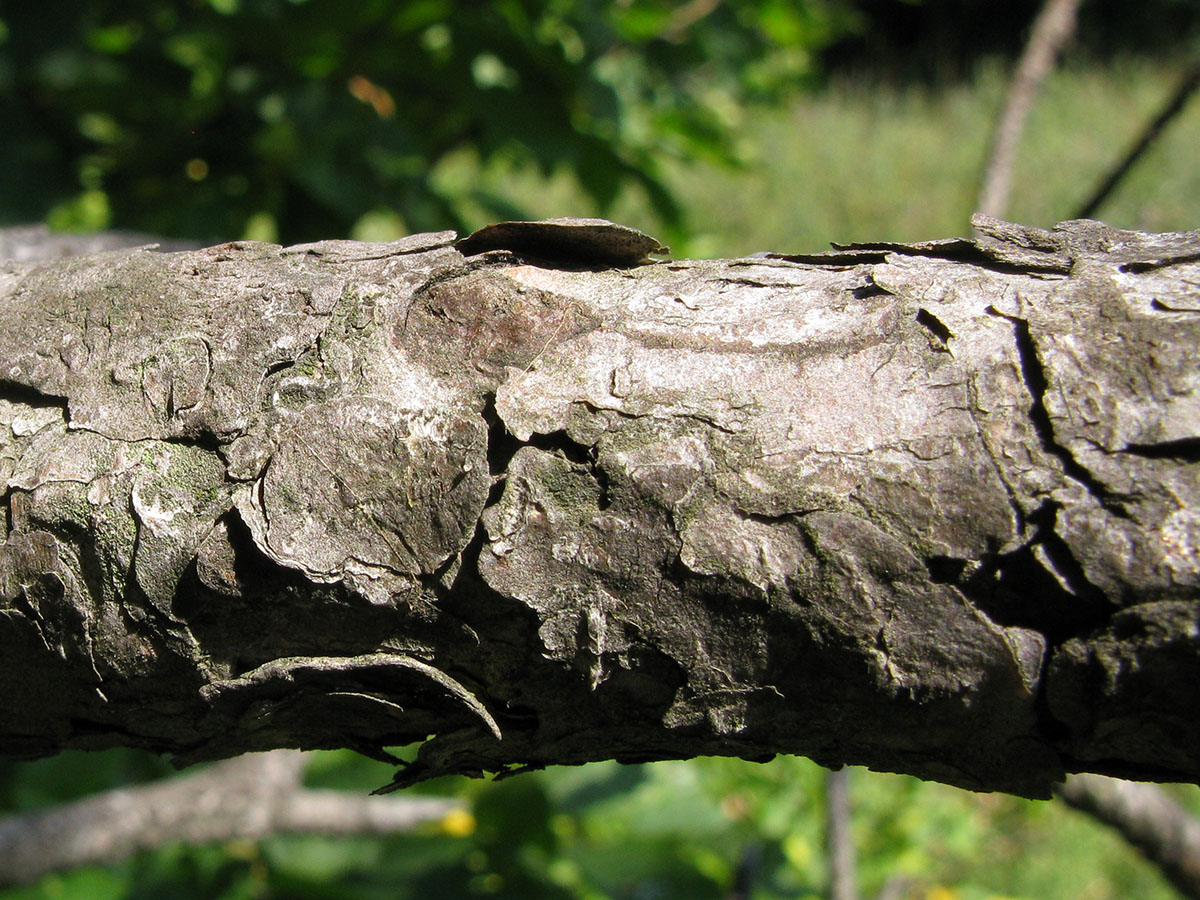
(1038, 585)
(1035, 378)
(24, 395)
(1185, 450)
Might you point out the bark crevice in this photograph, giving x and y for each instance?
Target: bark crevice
(1038, 383)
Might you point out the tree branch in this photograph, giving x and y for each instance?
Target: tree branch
(1051, 30)
(242, 799)
(1177, 102)
(928, 508)
(1147, 817)
(839, 838)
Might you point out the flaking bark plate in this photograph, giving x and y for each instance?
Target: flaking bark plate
(582, 241)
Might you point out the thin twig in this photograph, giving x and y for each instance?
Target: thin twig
(245, 799)
(1173, 107)
(842, 881)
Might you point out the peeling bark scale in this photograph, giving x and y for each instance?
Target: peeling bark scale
(528, 500)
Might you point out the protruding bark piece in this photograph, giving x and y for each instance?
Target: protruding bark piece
(580, 241)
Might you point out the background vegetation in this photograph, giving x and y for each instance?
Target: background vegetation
(666, 831)
(725, 127)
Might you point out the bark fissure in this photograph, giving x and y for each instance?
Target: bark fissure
(946, 569)
(1035, 377)
(974, 409)
(1038, 585)
(1140, 267)
(1182, 449)
(24, 395)
(935, 326)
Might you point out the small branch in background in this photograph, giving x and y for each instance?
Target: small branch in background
(1051, 30)
(686, 16)
(746, 874)
(242, 799)
(1147, 817)
(842, 881)
(896, 887)
(1174, 106)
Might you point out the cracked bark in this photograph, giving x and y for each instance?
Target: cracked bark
(929, 508)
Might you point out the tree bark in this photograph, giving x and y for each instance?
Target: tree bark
(928, 508)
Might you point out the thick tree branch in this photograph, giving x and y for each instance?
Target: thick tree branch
(929, 508)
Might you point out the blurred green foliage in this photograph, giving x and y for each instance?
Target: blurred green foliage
(297, 119)
(667, 831)
(903, 163)
(857, 161)
(292, 120)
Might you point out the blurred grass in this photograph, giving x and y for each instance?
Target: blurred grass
(883, 163)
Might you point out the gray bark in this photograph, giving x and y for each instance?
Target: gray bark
(927, 508)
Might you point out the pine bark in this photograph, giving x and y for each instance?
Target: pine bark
(531, 499)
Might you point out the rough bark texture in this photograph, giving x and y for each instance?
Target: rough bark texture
(929, 508)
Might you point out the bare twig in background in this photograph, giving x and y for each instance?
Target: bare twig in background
(1051, 30)
(896, 887)
(1147, 817)
(245, 799)
(1173, 107)
(747, 873)
(842, 881)
(686, 16)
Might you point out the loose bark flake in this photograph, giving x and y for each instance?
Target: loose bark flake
(931, 508)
